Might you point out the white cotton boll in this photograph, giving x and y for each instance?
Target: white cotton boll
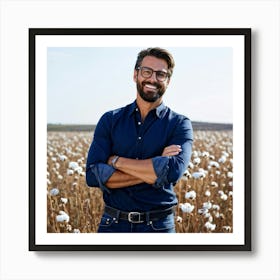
(59, 177)
(54, 191)
(70, 172)
(202, 211)
(210, 226)
(179, 219)
(217, 215)
(62, 157)
(203, 171)
(224, 197)
(53, 159)
(220, 192)
(207, 205)
(57, 165)
(222, 159)
(230, 174)
(198, 175)
(226, 228)
(195, 154)
(207, 215)
(230, 183)
(190, 165)
(230, 193)
(196, 161)
(76, 230)
(79, 169)
(214, 164)
(187, 174)
(216, 207)
(214, 184)
(73, 165)
(207, 193)
(190, 195)
(205, 154)
(62, 217)
(186, 207)
(64, 200)
(225, 154)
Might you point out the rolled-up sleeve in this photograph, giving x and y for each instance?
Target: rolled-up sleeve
(99, 174)
(170, 169)
(97, 171)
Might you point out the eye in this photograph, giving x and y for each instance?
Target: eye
(161, 75)
(146, 72)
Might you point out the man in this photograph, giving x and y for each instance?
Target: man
(139, 152)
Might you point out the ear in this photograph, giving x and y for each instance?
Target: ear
(168, 81)
(135, 76)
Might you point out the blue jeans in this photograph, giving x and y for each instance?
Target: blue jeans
(164, 225)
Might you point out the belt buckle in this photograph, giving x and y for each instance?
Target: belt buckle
(134, 217)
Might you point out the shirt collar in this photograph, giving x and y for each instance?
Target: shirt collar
(159, 110)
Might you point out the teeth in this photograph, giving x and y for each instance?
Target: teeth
(151, 86)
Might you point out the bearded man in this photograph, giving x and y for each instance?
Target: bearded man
(140, 151)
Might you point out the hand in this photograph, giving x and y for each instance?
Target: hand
(109, 161)
(171, 150)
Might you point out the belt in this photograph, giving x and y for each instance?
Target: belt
(138, 217)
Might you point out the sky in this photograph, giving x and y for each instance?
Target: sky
(85, 82)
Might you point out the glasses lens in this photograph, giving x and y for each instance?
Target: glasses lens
(146, 72)
(161, 76)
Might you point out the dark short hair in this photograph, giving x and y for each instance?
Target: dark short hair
(158, 53)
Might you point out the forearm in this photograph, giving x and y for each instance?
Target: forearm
(141, 169)
(131, 172)
(120, 179)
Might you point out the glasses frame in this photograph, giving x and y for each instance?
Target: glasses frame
(153, 71)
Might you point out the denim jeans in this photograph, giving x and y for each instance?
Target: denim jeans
(164, 225)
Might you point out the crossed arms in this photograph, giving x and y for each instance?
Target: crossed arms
(132, 171)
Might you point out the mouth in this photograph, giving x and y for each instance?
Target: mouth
(150, 87)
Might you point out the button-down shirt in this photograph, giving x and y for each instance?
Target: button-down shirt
(121, 132)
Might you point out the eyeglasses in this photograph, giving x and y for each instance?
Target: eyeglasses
(147, 72)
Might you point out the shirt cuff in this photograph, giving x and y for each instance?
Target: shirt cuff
(102, 173)
(161, 168)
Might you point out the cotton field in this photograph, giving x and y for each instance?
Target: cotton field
(205, 192)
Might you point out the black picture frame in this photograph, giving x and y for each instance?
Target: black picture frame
(34, 34)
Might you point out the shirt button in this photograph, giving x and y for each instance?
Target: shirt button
(139, 123)
(136, 109)
(139, 138)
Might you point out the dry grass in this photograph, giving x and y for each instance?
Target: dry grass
(208, 207)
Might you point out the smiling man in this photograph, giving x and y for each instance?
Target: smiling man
(140, 151)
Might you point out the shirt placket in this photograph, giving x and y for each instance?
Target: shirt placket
(139, 129)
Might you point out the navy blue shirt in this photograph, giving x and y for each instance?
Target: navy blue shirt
(121, 132)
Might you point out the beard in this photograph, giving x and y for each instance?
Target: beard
(150, 95)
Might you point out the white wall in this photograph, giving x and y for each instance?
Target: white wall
(17, 262)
